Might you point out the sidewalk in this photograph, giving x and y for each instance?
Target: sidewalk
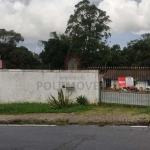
(72, 118)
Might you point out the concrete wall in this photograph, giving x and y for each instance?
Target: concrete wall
(36, 85)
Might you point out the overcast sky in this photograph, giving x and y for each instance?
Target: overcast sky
(35, 19)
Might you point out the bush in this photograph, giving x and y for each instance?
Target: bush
(82, 100)
(61, 102)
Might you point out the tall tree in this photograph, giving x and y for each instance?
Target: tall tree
(10, 37)
(15, 57)
(116, 58)
(55, 51)
(140, 49)
(87, 28)
(8, 42)
(21, 58)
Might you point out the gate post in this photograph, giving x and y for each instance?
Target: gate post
(100, 94)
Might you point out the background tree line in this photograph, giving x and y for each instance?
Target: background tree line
(86, 36)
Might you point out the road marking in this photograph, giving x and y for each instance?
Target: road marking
(139, 126)
(27, 125)
(52, 125)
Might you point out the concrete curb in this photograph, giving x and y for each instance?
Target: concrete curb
(72, 118)
(69, 122)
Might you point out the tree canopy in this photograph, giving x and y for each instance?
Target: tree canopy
(55, 51)
(15, 57)
(137, 52)
(87, 28)
(10, 37)
(85, 36)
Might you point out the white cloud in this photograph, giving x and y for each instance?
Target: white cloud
(127, 15)
(141, 32)
(38, 18)
(35, 19)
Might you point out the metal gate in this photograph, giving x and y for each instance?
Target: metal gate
(111, 91)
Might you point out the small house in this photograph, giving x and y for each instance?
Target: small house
(73, 64)
(141, 77)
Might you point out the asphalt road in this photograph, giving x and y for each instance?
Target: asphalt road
(74, 138)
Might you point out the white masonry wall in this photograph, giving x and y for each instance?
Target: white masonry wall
(37, 85)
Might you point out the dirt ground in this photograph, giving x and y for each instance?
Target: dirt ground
(72, 118)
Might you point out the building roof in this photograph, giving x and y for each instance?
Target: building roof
(69, 58)
(135, 73)
(73, 60)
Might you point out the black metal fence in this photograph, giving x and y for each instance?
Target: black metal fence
(124, 85)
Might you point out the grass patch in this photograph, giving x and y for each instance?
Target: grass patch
(105, 109)
(23, 108)
(124, 109)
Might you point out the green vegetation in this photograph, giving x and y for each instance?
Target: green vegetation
(86, 36)
(55, 50)
(15, 57)
(61, 102)
(62, 122)
(24, 108)
(120, 109)
(82, 100)
(88, 31)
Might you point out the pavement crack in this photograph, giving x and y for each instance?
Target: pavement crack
(83, 140)
(63, 145)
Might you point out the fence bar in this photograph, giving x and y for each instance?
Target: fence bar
(125, 85)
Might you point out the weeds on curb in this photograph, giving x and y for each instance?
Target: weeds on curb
(62, 122)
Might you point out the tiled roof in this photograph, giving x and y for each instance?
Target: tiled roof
(135, 73)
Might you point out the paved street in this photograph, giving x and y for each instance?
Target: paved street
(74, 138)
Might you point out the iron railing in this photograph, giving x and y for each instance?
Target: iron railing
(124, 85)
